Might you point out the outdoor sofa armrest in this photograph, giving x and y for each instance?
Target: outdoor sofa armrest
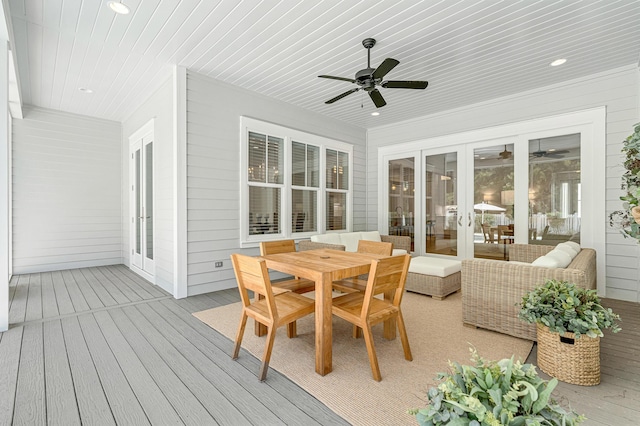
(399, 242)
(311, 245)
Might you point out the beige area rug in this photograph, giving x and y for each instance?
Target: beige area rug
(436, 335)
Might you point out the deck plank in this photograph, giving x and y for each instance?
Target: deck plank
(81, 279)
(185, 403)
(62, 408)
(90, 296)
(19, 305)
(119, 290)
(13, 284)
(30, 404)
(209, 396)
(124, 405)
(92, 402)
(65, 305)
(154, 290)
(49, 302)
(155, 404)
(144, 289)
(80, 304)
(10, 352)
(34, 300)
(226, 385)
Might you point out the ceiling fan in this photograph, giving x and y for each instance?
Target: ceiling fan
(505, 155)
(367, 79)
(548, 154)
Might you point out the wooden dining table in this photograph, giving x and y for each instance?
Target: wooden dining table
(324, 266)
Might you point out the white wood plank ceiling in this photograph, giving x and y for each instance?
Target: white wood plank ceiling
(468, 50)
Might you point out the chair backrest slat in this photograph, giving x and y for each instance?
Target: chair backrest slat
(388, 274)
(375, 247)
(275, 247)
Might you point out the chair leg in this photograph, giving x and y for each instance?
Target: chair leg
(357, 332)
(292, 330)
(271, 335)
(404, 338)
(239, 334)
(371, 350)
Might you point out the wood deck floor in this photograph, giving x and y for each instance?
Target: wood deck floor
(103, 346)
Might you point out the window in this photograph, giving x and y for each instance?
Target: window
(285, 194)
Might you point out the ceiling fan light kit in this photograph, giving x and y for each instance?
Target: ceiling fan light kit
(119, 7)
(369, 78)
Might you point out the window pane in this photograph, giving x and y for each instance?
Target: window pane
(298, 164)
(275, 160)
(343, 170)
(264, 210)
(257, 152)
(313, 166)
(304, 211)
(336, 211)
(149, 199)
(554, 190)
(138, 203)
(332, 169)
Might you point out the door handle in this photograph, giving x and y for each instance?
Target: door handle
(460, 220)
(469, 225)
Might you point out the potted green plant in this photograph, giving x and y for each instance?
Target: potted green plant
(493, 393)
(570, 321)
(628, 219)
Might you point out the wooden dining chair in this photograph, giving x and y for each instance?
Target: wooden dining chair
(271, 310)
(350, 285)
(364, 310)
(487, 233)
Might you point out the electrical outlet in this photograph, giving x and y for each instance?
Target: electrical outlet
(218, 264)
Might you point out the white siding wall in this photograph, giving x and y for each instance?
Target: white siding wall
(160, 107)
(213, 162)
(66, 191)
(616, 89)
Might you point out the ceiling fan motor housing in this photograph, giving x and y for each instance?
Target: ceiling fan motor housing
(364, 78)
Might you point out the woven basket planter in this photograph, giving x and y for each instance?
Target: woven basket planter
(571, 360)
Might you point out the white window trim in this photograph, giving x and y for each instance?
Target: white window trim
(248, 124)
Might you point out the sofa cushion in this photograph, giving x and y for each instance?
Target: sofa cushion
(371, 236)
(350, 240)
(398, 252)
(546, 261)
(433, 266)
(573, 244)
(327, 238)
(568, 249)
(562, 257)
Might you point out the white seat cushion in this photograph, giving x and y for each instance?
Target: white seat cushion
(398, 252)
(546, 261)
(350, 240)
(563, 257)
(326, 238)
(371, 236)
(435, 267)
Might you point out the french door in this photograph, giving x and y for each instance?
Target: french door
(142, 205)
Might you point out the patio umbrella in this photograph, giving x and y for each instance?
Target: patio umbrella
(486, 207)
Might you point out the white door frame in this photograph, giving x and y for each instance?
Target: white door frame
(139, 263)
(591, 124)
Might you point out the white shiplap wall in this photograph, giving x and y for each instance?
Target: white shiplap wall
(66, 191)
(213, 163)
(616, 89)
(159, 107)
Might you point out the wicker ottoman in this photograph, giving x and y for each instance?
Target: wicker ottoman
(434, 277)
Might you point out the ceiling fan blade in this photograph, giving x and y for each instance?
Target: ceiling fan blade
(386, 66)
(337, 98)
(350, 80)
(377, 98)
(396, 84)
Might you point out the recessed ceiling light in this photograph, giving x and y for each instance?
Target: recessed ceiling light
(119, 7)
(558, 62)
(85, 90)
(375, 113)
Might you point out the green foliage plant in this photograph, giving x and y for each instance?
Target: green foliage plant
(622, 219)
(493, 393)
(563, 307)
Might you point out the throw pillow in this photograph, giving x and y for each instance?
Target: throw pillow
(562, 257)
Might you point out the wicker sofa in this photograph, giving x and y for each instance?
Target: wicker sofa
(491, 289)
(348, 241)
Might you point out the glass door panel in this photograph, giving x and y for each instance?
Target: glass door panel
(493, 201)
(441, 204)
(401, 197)
(554, 190)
